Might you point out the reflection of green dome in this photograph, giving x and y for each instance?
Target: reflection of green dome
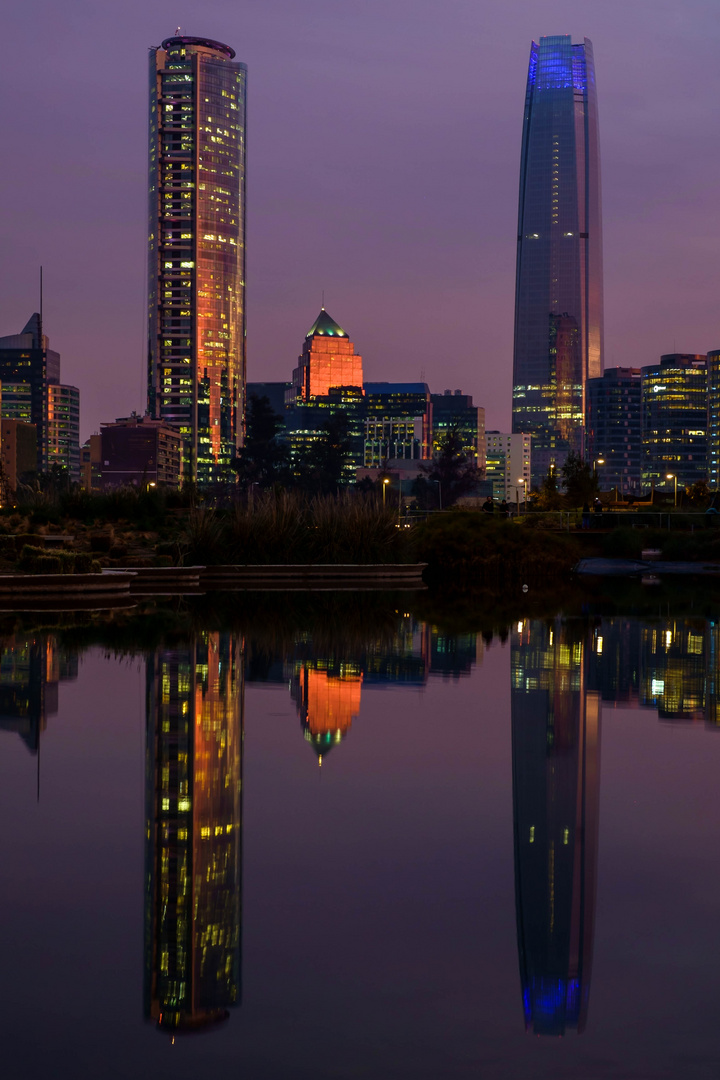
(324, 326)
(323, 742)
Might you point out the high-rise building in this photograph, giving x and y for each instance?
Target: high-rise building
(18, 453)
(613, 432)
(674, 420)
(196, 275)
(399, 422)
(195, 701)
(556, 795)
(140, 451)
(713, 421)
(328, 361)
(456, 413)
(559, 284)
(63, 429)
(28, 366)
(508, 464)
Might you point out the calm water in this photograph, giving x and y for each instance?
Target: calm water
(361, 847)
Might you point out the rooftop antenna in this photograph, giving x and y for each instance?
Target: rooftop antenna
(323, 299)
(40, 342)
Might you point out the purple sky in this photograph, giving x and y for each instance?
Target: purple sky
(383, 153)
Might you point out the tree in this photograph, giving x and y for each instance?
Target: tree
(581, 484)
(327, 459)
(264, 459)
(548, 498)
(455, 470)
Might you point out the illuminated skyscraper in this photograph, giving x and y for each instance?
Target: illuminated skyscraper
(196, 273)
(559, 285)
(328, 361)
(194, 826)
(556, 790)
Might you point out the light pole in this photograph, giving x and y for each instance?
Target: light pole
(673, 476)
(386, 481)
(522, 481)
(439, 494)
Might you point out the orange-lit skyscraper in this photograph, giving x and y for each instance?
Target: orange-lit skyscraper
(328, 361)
(194, 829)
(196, 272)
(556, 792)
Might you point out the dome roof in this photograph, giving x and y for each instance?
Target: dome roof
(325, 326)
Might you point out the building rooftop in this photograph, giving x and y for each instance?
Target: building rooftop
(325, 326)
(204, 43)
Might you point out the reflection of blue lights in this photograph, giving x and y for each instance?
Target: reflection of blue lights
(551, 1005)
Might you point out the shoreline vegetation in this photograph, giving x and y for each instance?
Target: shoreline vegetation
(464, 548)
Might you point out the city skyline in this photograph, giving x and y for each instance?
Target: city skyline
(414, 257)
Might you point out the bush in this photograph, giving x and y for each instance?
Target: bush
(469, 548)
(84, 562)
(101, 542)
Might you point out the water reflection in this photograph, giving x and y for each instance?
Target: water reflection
(556, 782)
(31, 667)
(195, 700)
(564, 672)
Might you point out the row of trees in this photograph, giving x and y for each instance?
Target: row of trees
(580, 486)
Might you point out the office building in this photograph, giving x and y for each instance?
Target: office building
(455, 412)
(508, 464)
(18, 442)
(398, 425)
(556, 796)
(140, 452)
(713, 421)
(613, 433)
(28, 366)
(559, 283)
(328, 361)
(63, 429)
(91, 463)
(674, 421)
(193, 864)
(196, 275)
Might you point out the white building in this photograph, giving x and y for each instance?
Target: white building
(508, 464)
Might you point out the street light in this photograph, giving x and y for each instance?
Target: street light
(673, 476)
(386, 481)
(523, 481)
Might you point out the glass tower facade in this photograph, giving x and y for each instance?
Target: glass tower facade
(674, 420)
(196, 274)
(713, 424)
(613, 432)
(559, 291)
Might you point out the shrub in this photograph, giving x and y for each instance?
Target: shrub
(83, 562)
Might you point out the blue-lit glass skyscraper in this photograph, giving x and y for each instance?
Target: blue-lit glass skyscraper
(559, 288)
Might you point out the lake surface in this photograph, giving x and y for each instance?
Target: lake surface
(360, 845)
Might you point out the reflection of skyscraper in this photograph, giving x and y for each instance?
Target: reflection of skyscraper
(30, 669)
(328, 702)
(556, 772)
(558, 301)
(193, 841)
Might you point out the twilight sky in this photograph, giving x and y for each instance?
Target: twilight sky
(383, 158)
